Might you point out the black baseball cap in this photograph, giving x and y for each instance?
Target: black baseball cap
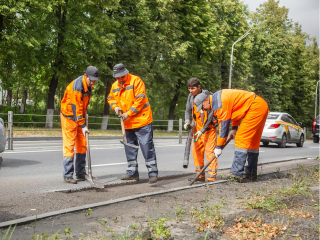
(92, 73)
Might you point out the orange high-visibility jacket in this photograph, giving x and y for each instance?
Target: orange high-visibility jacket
(230, 105)
(76, 100)
(132, 99)
(201, 119)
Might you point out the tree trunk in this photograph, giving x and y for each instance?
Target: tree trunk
(57, 65)
(24, 99)
(173, 104)
(174, 100)
(106, 112)
(9, 97)
(106, 104)
(35, 102)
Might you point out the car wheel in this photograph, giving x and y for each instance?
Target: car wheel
(283, 141)
(316, 139)
(265, 144)
(301, 141)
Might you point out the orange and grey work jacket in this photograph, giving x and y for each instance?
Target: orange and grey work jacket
(230, 105)
(76, 100)
(132, 99)
(204, 120)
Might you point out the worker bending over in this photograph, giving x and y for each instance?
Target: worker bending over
(205, 141)
(129, 100)
(248, 113)
(73, 109)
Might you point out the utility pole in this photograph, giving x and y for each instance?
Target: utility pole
(242, 37)
(315, 101)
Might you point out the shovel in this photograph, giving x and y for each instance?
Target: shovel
(210, 161)
(94, 182)
(124, 142)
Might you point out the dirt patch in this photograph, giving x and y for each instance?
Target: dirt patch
(281, 205)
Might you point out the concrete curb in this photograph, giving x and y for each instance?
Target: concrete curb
(21, 221)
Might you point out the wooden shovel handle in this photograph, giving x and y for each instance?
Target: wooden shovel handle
(122, 128)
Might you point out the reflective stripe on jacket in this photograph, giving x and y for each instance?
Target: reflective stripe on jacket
(132, 99)
(230, 105)
(76, 100)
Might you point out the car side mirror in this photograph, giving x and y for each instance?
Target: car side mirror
(300, 123)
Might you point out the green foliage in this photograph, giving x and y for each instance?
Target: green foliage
(8, 234)
(158, 227)
(44, 45)
(209, 216)
(266, 203)
(88, 212)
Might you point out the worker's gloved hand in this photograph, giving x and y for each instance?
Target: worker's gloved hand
(217, 152)
(197, 136)
(187, 126)
(85, 130)
(124, 116)
(117, 110)
(233, 133)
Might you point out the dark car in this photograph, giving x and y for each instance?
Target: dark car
(315, 129)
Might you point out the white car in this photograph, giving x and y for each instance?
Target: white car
(3, 137)
(281, 128)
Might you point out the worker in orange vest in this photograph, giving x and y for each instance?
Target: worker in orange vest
(73, 109)
(248, 113)
(205, 137)
(129, 100)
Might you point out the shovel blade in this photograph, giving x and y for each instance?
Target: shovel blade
(129, 144)
(94, 182)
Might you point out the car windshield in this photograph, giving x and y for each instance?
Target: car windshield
(273, 116)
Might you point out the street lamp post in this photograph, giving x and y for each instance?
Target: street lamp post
(242, 37)
(315, 101)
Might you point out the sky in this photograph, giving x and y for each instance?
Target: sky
(306, 12)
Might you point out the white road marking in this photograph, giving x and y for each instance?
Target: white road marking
(313, 147)
(57, 150)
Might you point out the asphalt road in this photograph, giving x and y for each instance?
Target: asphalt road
(36, 166)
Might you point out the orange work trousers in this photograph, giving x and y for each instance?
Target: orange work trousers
(248, 136)
(205, 144)
(73, 137)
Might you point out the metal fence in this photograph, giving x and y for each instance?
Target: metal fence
(52, 123)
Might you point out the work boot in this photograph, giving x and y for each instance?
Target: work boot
(234, 177)
(153, 180)
(80, 177)
(127, 177)
(211, 179)
(70, 180)
(250, 176)
(197, 180)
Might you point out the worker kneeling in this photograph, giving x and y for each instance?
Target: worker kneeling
(73, 109)
(248, 113)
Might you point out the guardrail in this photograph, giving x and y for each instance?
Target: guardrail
(53, 124)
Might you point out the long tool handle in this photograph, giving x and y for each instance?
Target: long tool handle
(122, 128)
(188, 146)
(210, 161)
(88, 149)
(88, 156)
